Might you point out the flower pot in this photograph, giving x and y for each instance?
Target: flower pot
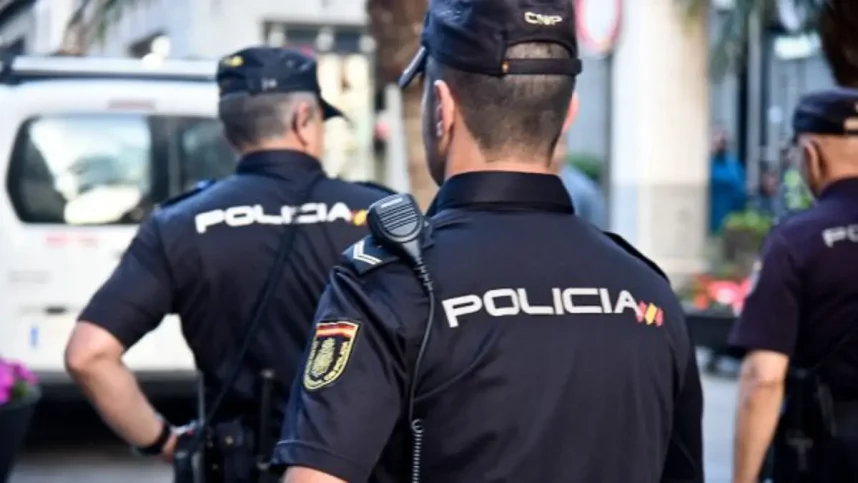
(14, 422)
(741, 246)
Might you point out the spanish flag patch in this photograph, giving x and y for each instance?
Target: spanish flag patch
(329, 353)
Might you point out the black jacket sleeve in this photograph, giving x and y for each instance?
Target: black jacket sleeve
(684, 463)
(347, 400)
(139, 293)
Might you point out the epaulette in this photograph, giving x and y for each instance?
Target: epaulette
(367, 254)
(635, 253)
(197, 189)
(378, 186)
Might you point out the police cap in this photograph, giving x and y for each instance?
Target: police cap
(832, 112)
(269, 70)
(473, 36)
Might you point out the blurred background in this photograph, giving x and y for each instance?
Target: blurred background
(679, 146)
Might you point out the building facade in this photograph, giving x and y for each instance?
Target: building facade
(646, 111)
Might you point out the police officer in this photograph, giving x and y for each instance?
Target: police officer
(556, 353)
(799, 322)
(207, 256)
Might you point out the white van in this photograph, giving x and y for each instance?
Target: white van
(87, 148)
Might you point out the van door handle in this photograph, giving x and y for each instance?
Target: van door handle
(56, 310)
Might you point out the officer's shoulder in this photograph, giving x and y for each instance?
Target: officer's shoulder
(631, 250)
(795, 226)
(377, 187)
(367, 255)
(198, 188)
(358, 192)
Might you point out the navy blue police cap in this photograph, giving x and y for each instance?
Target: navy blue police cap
(270, 70)
(473, 36)
(833, 112)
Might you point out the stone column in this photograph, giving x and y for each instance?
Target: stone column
(659, 170)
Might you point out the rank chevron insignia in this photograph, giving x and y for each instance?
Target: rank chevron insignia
(359, 253)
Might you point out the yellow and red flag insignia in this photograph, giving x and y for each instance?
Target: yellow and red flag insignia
(650, 314)
(329, 353)
(359, 218)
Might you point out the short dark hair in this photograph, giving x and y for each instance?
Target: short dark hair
(251, 119)
(519, 113)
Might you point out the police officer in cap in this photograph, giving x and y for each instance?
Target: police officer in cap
(555, 352)
(207, 256)
(799, 324)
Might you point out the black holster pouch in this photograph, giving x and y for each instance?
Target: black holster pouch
(230, 451)
(229, 454)
(816, 438)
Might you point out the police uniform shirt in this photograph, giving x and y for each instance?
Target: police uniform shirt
(805, 294)
(545, 363)
(206, 257)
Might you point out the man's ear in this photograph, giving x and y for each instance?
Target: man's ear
(810, 154)
(571, 113)
(445, 111)
(302, 123)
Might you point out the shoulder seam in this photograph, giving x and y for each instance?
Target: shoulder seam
(634, 252)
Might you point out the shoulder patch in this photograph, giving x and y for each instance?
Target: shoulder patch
(634, 252)
(331, 349)
(197, 189)
(380, 187)
(366, 255)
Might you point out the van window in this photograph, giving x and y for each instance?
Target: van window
(203, 151)
(101, 169)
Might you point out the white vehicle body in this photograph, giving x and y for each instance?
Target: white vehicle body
(90, 132)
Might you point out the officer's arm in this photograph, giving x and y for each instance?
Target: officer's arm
(349, 397)
(684, 463)
(767, 329)
(132, 302)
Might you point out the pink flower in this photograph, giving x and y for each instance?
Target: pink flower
(22, 373)
(7, 382)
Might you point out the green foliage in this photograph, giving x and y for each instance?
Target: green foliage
(749, 221)
(587, 163)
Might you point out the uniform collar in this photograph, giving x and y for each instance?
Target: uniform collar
(843, 188)
(282, 162)
(504, 189)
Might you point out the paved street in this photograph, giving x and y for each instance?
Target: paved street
(70, 456)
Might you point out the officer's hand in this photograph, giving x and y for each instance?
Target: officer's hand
(170, 446)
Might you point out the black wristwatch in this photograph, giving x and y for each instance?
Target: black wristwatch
(157, 447)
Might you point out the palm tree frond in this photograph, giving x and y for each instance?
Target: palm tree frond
(90, 23)
(729, 49)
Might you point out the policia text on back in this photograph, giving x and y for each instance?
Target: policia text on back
(223, 259)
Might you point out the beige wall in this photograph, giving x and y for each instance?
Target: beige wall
(659, 145)
(238, 23)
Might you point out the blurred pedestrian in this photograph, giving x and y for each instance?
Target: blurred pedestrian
(727, 191)
(586, 195)
(768, 199)
(799, 324)
(242, 261)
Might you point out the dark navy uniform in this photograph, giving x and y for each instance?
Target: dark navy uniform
(805, 294)
(558, 352)
(207, 255)
(804, 298)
